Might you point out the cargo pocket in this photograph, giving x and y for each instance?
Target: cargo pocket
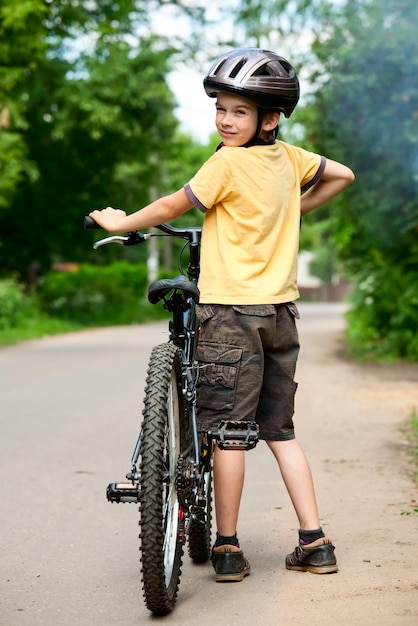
(259, 310)
(204, 312)
(218, 371)
(293, 309)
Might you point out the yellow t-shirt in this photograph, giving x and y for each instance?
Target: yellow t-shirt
(250, 238)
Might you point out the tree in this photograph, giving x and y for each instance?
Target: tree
(366, 114)
(22, 50)
(86, 119)
(362, 109)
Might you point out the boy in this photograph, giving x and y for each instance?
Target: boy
(250, 192)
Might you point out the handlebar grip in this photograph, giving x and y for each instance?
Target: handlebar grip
(90, 224)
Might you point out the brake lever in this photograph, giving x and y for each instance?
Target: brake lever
(114, 239)
(124, 240)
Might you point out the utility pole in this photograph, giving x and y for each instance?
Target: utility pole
(152, 260)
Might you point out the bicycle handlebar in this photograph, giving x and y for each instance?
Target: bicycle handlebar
(90, 224)
(191, 233)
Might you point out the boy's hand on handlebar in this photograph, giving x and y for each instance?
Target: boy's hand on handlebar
(110, 219)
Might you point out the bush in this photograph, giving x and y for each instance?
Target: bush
(94, 295)
(382, 324)
(15, 305)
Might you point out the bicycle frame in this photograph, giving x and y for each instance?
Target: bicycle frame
(183, 330)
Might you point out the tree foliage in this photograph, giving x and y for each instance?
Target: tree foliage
(22, 50)
(86, 119)
(367, 115)
(362, 109)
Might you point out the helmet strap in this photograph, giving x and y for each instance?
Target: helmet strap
(256, 140)
(260, 115)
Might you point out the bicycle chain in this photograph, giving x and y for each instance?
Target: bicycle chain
(183, 481)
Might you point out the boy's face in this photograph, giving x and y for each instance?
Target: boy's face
(236, 119)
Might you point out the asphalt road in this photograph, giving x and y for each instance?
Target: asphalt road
(69, 417)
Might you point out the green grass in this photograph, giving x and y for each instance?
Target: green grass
(413, 438)
(411, 431)
(36, 328)
(38, 324)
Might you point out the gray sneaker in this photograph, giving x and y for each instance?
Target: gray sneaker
(317, 557)
(230, 564)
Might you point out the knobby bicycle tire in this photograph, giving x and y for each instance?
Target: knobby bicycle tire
(160, 516)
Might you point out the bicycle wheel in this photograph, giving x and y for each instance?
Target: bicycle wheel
(161, 518)
(201, 524)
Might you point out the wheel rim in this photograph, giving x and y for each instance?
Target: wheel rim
(171, 507)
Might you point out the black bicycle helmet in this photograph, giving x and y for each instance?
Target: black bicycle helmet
(263, 77)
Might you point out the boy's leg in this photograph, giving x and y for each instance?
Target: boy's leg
(297, 477)
(315, 552)
(228, 480)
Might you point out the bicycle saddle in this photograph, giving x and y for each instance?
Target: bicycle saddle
(160, 288)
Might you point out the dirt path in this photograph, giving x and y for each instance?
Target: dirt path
(70, 410)
(350, 418)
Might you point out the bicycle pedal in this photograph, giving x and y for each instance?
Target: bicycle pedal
(122, 492)
(236, 435)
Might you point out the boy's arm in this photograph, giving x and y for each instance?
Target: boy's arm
(334, 179)
(162, 210)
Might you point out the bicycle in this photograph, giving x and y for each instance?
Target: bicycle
(171, 467)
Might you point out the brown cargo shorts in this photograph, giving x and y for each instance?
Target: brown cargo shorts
(247, 360)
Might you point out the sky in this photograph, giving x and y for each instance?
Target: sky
(195, 111)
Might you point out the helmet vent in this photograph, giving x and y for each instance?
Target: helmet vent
(218, 69)
(264, 71)
(238, 67)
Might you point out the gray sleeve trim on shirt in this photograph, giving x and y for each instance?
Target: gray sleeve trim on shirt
(193, 198)
(317, 176)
